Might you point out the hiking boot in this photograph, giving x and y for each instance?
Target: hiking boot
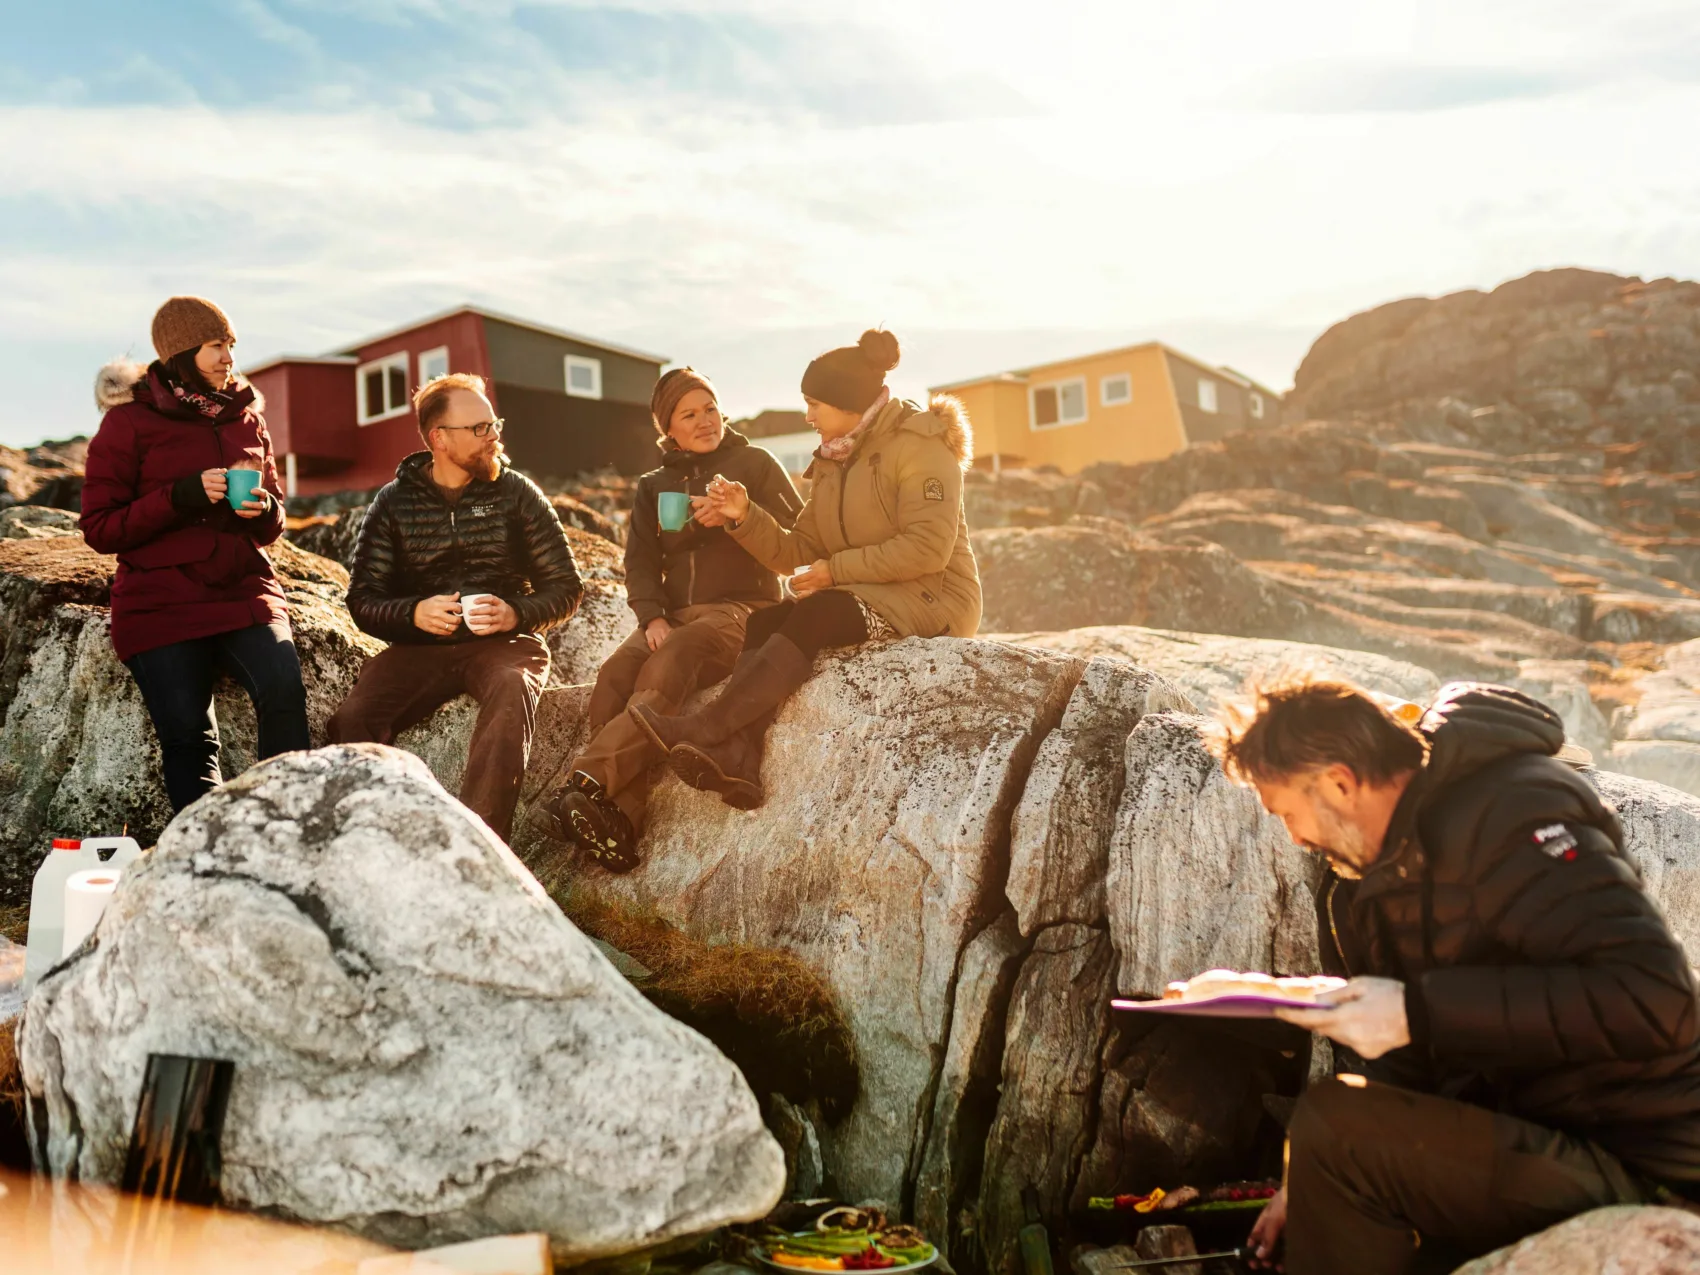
(756, 689)
(731, 768)
(584, 814)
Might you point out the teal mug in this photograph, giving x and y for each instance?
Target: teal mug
(673, 508)
(239, 485)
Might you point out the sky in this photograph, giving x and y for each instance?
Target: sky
(739, 184)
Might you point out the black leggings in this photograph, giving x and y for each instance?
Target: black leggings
(177, 686)
(831, 617)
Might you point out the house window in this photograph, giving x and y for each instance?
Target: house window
(1206, 395)
(584, 377)
(1115, 390)
(1257, 405)
(383, 387)
(433, 363)
(1063, 403)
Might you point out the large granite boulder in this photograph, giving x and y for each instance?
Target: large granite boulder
(879, 856)
(1615, 1241)
(426, 1050)
(1207, 667)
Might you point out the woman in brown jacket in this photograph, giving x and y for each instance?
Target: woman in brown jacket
(884, 541)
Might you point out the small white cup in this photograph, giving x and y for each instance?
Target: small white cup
(467, 602)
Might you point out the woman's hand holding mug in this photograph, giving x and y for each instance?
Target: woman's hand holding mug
(214, 483)
(816, 578)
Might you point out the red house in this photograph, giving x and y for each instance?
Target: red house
(571, 404)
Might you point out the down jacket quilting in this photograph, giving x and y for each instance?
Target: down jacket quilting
(1540, 978)
(181, 576)
(501, 537)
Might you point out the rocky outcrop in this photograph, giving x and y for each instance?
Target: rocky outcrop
(49, 474)
(1562, 357)
(1098, 572)
(78, 756)
(1615, 1241)
(891, 780)
(36, 522)
(1208, 668)
(426, 1050)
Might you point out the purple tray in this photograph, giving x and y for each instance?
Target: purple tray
(1248, 1006)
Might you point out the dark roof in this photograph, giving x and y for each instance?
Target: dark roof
(772, 423)
(497, 315)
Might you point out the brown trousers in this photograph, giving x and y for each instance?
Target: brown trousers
(699, 652)
(1384, 1181)
(402, 686)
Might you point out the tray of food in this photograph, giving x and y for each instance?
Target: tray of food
(847, 1239)
(1233, 994)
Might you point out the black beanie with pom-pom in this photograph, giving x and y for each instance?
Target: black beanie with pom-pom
(850, 378)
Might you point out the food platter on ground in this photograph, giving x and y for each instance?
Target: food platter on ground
(847, 1239)
(1232, 994)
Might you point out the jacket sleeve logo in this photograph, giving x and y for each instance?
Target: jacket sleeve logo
(933, 489)
(1557, 841)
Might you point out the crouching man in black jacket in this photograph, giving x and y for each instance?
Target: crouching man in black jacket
(460, 565)
(1527, 1023)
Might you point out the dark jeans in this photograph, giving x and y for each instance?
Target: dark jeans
(402, 686)
(1383, 1181)
(826, 619)
(176, 682)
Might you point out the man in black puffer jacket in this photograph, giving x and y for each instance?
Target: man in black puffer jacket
(461, 565)
(1524, 1022)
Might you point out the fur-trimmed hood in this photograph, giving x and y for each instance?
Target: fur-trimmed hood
(943, 418)
(115, 384)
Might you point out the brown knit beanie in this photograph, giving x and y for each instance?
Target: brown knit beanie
(188, 323)
(850, 378)
(673, 387)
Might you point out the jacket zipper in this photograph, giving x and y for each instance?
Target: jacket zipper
(843, 489)
(879, 491)
(1334, 929)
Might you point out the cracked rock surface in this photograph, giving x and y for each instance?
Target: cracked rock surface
(426, 1050)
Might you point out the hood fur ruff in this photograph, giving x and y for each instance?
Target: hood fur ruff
(115, 384)
(958, 432)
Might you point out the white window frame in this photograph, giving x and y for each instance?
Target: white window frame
(1062, 422)
(425, 356)
(1104, 399)
(1209, 399)
(399, 359)
(1256, 405)
(573, 361)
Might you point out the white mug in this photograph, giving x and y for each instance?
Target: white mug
(467, 601)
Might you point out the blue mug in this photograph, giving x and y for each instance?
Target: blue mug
(239, 485)
(673, 508)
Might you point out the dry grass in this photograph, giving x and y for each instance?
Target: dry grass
(15, 922)
(771, 1013)
(11, 1073)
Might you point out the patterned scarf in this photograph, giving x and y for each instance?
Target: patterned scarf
(210, 404)
(839, 449)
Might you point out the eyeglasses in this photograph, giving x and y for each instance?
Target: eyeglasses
(481, 430)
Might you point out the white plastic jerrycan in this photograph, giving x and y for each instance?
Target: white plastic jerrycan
(47, 896)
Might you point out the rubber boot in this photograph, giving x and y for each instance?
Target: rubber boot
(755, 690)
(731, 768)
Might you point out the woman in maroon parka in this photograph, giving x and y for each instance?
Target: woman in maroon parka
(194, 595)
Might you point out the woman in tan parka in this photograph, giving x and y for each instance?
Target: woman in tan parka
(885, 543)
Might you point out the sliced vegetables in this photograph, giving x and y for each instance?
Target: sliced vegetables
(841, 1248)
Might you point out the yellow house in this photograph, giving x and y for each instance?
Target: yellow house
(1141, 402)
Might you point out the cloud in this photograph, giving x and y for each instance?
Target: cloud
(471, 65)
(741, 185)
(1327, 87)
